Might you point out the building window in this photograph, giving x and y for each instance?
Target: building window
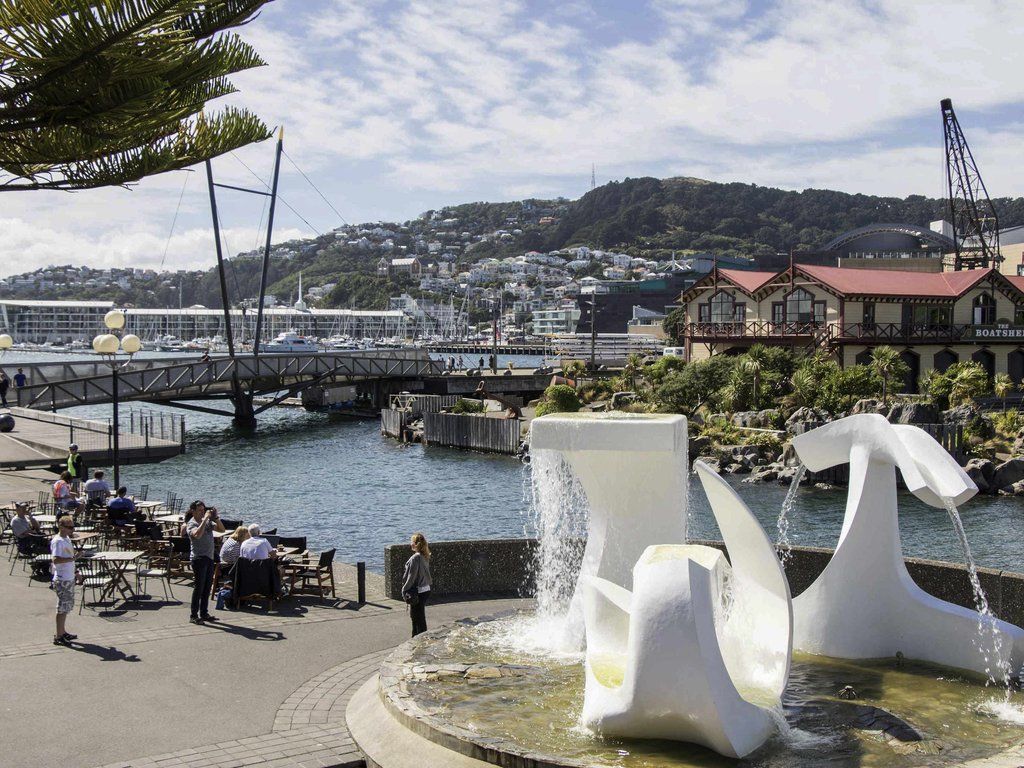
(1018, 315)
(778, 312)
(869, 315)
(984, 309)
(703, 313)
(723, 308)
(740, 313)
(800, 306)
(819, 313)
(931, 315)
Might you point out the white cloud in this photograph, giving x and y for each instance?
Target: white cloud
(388, 105)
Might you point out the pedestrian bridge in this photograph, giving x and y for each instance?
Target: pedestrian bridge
(170, 380)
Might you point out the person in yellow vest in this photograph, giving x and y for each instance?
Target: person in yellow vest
(76, 467)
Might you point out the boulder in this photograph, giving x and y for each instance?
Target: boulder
(789, 456)
(1008, 473)
(737, 469)
(1018, 444)
(1018, 488)
(962, 414)
(867, 405)
(803, 419)
(983, 467)
(766, 419)
(914, 413)
(699, 445)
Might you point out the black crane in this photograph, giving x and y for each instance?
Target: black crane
(975, 224)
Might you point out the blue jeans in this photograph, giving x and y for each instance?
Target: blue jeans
(202, 573)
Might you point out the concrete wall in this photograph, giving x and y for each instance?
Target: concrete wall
(492, 567)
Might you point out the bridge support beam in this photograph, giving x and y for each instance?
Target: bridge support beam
(245, 414)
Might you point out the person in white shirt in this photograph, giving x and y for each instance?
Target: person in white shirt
(63, 552)
(256, 547)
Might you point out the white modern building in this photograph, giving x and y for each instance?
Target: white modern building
(37, 322)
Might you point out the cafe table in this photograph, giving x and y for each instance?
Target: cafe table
(79, 539)
(117, 564)
(148, 507)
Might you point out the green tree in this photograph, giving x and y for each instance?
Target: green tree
(674, 324)
(886, 363)
(960, 383)
(843, 387)
(97, 93)
(1002, 385)
(695, 384)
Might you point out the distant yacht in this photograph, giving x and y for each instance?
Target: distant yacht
(289, 341)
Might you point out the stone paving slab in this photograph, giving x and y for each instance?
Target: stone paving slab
(309, 730)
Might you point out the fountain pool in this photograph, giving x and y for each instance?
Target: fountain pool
(471, 681)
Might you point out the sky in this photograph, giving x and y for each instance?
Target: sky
(394, 107)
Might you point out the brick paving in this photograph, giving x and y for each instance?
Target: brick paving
(309, 730)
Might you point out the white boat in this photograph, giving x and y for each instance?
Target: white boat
(289, 341)
(169, 343)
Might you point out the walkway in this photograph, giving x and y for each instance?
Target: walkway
(143, 687)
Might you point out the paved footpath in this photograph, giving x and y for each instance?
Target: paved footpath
(144, 688)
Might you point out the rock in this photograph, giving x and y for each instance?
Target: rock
(1018, 488)
(699, 445)
(962, 414)
(867, 405)
(764, 475)
(1018, 444)
(803, 419)
(789, 456)
(824, 486)
(737, 469)
(986, 467)
(914, 413)
(1008, 473)
(766, 419)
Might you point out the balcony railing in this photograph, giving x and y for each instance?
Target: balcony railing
(873, 333)
(751, 329)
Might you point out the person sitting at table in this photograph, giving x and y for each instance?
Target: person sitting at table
(97, 490)
(230, 550)
(122, 504)
(256, 547)
(28, 537)
(63, 496)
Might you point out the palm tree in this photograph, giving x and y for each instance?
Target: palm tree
(98, 93)
(970, 380)
(634, 363)
(886, 362)
(1002, 385)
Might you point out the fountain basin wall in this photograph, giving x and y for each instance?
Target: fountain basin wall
(502, 567)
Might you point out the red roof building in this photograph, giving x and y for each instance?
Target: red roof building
(934, 319)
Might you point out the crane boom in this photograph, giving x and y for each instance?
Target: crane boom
(974, 220)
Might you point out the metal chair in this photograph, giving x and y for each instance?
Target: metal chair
(95, 576)
(143, 494)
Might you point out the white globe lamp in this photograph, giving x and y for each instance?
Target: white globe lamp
(6, 342)
(114, 319)
(106, 344)
(131, 343)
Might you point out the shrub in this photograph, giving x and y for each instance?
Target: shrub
(468, 406)
(559, 398)
(767, 441)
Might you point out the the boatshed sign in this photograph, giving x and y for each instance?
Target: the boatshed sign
(1000, 332)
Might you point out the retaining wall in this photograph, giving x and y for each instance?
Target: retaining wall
(502, 567)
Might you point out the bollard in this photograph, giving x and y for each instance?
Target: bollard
(361, 582)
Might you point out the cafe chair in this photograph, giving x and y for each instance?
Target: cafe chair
(305, 573)
(255, 580)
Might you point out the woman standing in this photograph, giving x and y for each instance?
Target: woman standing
(416, 583)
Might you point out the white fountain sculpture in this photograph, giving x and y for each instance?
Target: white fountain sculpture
(865, 604)
(633, 470)
(698, 651)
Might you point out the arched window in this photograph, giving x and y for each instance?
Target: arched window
(984, 309)
(802, 308)
(722, 307)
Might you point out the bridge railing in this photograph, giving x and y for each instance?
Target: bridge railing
(215, 377)
(138, 428)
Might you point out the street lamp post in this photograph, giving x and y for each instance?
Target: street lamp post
(108, 345)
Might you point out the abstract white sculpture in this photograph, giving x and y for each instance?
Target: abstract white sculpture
(865, 604)
(633, 469)
(698, 651)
